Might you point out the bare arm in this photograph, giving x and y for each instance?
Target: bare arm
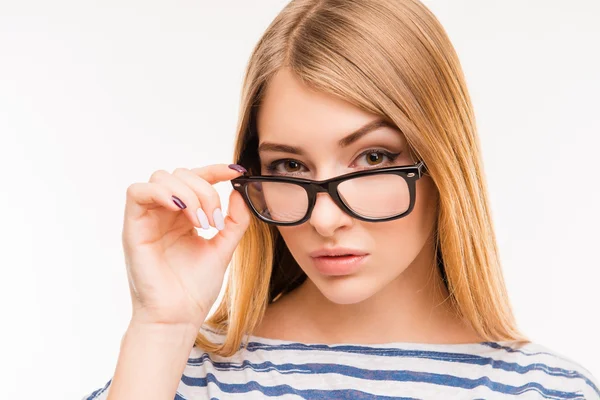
(151, 361)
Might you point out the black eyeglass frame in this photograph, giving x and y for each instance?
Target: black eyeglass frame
(410, 173)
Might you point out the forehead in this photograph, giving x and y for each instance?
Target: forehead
(289, 110)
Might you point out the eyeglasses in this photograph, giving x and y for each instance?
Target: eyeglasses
(374, 195)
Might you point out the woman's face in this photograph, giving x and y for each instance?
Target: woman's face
(314, 123)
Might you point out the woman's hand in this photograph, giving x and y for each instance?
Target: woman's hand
(175, 276)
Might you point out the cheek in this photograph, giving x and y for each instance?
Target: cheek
(406, 236)
(426, 206)
(293, 236)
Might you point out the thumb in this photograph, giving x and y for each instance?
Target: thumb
(237, 221)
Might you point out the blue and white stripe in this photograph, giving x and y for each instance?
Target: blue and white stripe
(281, 370)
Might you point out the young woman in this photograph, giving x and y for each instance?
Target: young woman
(363, 257)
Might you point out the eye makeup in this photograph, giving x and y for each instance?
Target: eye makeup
(273, 168)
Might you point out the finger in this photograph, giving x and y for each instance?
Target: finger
(145, 196)
(236, 224)
(210, 202)
(182, 191)
(216, 173)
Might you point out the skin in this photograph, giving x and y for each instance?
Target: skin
(397, 295)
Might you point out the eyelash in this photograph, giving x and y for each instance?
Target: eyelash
(272, 167)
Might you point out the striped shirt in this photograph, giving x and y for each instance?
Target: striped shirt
(286, 370)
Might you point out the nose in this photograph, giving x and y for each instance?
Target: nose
(327, 217)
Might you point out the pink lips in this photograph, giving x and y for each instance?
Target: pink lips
(338, 261)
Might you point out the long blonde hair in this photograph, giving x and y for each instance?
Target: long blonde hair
(394, 59)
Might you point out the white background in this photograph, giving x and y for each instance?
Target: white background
(96, 95)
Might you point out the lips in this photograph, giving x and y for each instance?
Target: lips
(339, 262)
(337, 252)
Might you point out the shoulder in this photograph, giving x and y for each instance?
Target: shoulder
(99, 393)
(546, 367)
(208, 375)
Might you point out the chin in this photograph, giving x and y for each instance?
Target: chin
(347, 289)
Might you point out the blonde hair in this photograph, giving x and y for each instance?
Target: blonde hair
(394, 59)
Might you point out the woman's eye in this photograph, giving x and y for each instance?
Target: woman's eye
(283, 167)
(374, 158)
(378, 157)
(290, 165)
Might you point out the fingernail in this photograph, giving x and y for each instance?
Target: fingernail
(238, 168)
(202, 218)
(179, 203)
(218, 218)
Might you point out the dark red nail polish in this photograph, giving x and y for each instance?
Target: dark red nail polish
(179, 203)
(238, 168)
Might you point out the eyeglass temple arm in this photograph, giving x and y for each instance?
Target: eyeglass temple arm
(421, 168)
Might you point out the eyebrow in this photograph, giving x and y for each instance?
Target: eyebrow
(344, 142)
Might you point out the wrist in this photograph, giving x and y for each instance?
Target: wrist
(160, 332)
(155, 353)
(160, 320)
